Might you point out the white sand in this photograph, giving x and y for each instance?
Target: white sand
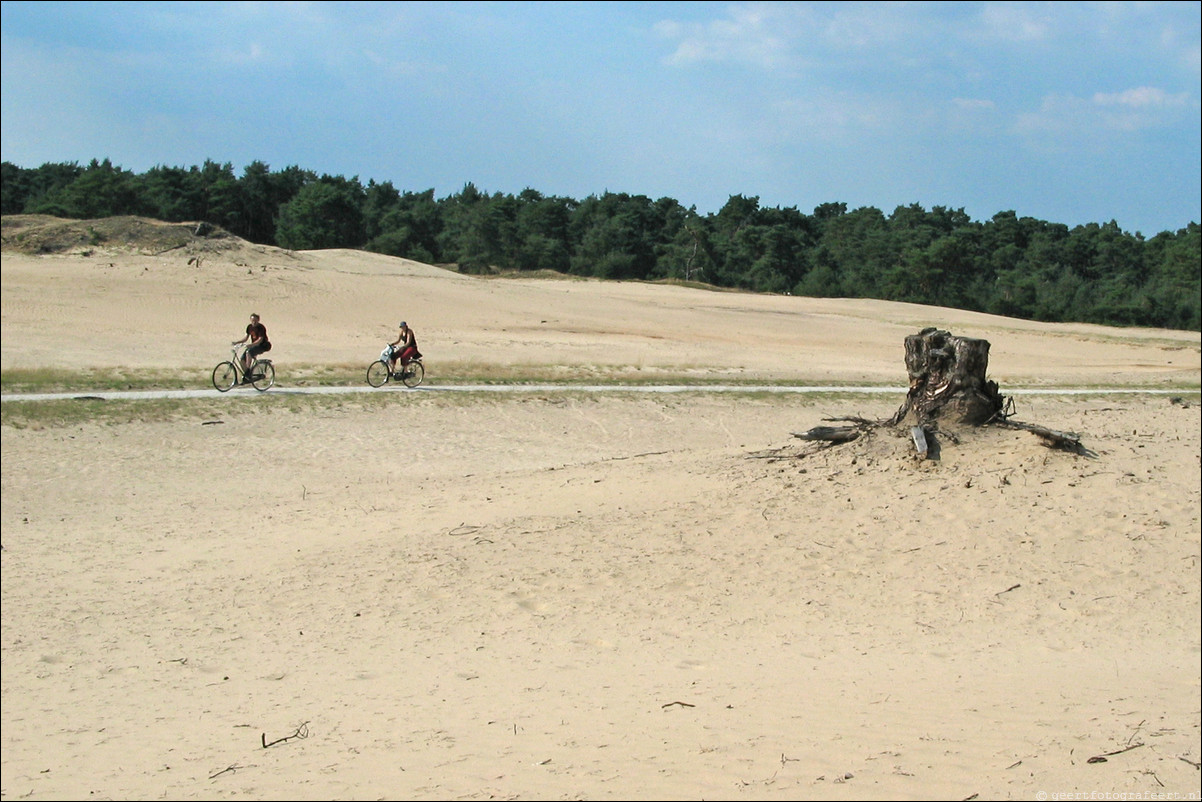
(577, 596)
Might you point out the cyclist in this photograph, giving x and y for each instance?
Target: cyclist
(404, 347)
(256, 332)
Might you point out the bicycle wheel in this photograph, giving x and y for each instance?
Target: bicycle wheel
(413, 373)
(377, 373)
(262, 375)
(224, 376)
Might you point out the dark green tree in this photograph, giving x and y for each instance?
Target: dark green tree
(616, 237)
(478, 231)
(823, 280)
(172, 194)
(378, 201)
(263, 193)
(860, 244)
(101, 190)
(689, 255)
(411, 229)
(324, 214)
(541, 232)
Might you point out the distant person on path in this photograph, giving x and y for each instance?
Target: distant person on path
(256, 333)
(404, 347)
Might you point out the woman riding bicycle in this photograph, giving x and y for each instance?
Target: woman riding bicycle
(404, 347)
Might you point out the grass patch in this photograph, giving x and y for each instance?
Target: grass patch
(487, 373)
(90, 410)
(84, 409)
(58, 380)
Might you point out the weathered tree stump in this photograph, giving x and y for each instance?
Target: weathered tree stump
(948, 385)
(947, 381)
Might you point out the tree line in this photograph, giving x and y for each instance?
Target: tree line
(1014, 266)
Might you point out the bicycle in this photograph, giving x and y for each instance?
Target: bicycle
(411, 374)
(229, 373)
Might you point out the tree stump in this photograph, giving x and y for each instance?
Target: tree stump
(947, 381)
(947, 384)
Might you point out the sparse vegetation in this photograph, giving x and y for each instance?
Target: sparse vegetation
(85, 409)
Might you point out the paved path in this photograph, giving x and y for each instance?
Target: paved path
(540, 388)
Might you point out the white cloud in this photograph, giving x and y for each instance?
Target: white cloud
(860, 26)
(251, 53)
(831, 119)
(972, 104)
(1067, 121)
(1143, 97)
(756, 34)
(774, 35)
(1010, 22)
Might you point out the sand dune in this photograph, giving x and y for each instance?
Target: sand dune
(108, 309)
(578, 596)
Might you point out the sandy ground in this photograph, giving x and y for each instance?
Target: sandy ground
(584, 596)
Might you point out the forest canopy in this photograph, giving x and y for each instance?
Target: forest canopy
(1009, 265)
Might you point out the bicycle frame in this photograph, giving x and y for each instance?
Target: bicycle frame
(231, 373)
(380, 372)
(236, 357)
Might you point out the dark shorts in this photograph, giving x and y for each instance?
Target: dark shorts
(261, 347)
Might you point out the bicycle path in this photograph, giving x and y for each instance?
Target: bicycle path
(245, 392)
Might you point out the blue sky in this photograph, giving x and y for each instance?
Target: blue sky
(1072, 113)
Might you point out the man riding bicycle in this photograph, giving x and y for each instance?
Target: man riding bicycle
(256, 332)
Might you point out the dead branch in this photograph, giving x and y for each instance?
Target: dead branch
(301, 732)
(1102, 757)
(773, 453)
(839, 434)
(1051, 437)
(230, 768)
(833, 434)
